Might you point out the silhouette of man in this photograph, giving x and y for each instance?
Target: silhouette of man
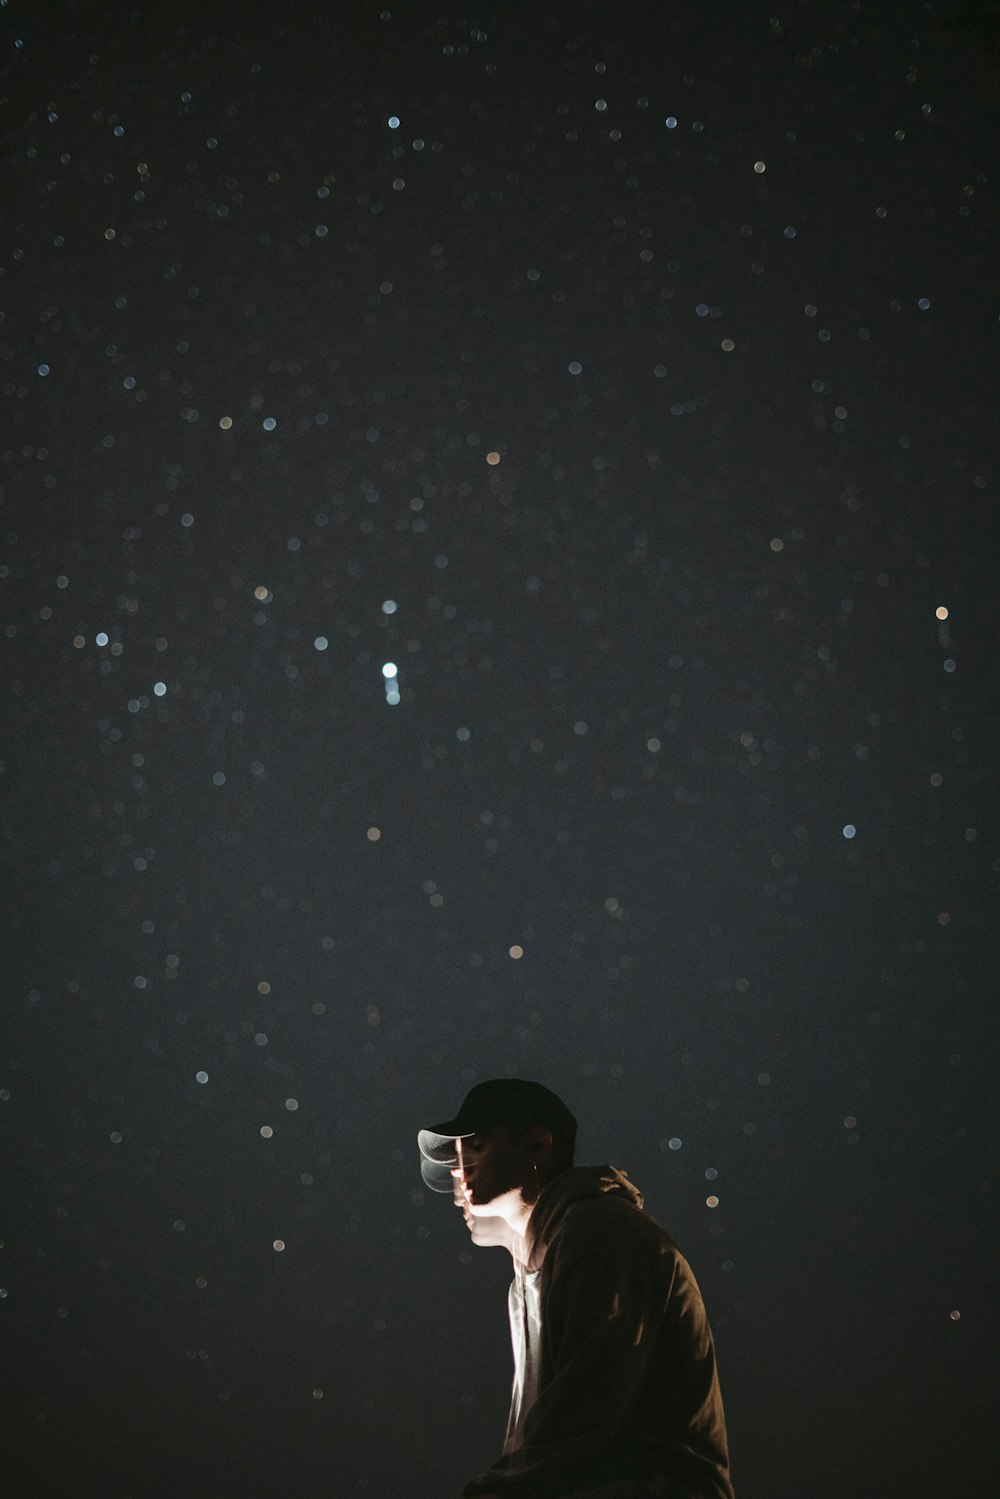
(615, 1392)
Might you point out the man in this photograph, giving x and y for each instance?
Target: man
(615, 1391)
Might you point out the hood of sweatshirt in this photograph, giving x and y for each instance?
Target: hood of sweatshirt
(563, 1190)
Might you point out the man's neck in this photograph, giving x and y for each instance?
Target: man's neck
(515, 1210)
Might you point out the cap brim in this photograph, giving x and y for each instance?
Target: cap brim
(438, 1157)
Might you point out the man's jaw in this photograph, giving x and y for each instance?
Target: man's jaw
(495, 1201)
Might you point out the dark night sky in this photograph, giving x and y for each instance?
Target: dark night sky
(626, 375)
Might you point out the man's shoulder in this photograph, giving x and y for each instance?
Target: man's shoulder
(609, 1219)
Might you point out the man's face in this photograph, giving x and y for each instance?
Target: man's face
(495, 1164)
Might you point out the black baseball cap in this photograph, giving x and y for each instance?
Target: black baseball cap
(501, 1100)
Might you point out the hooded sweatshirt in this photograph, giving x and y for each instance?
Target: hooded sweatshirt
(614, 1363)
